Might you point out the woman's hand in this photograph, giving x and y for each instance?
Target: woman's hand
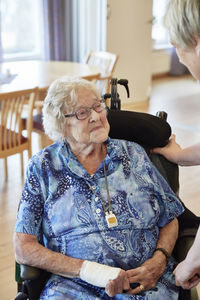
(151, 270)
(147, 274)
(118, 285)
(185, 276)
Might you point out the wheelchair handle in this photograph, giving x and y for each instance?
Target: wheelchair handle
(115, 102)
(162, 115)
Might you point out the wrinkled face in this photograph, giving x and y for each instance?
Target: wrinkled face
(191, 59)
(94, 129)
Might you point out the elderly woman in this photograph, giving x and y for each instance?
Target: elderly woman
(94, 211)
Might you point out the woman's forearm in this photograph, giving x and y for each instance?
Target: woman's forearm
(30, 252)
(167, 238)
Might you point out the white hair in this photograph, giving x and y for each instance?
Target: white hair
(182, 20)
(61, 99)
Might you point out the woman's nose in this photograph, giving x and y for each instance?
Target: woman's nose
(94, 116)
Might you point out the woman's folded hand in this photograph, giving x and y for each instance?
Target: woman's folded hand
(146, 275)
(114, 280)
(118, 285)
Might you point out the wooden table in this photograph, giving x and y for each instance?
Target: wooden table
(42, 73)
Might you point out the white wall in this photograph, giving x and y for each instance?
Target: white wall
(129, 35)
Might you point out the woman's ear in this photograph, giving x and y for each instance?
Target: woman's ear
(197, 48)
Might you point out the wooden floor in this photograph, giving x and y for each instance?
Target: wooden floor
(179, 97)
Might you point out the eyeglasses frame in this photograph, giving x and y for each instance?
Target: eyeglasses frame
(89, 109)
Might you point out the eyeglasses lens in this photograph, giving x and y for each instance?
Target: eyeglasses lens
(83, 113)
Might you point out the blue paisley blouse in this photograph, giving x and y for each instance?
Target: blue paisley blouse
(62, 204)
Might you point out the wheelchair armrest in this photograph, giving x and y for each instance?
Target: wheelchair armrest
(29, 272)
(34, 280)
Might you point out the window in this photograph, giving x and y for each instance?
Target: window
(21, 29)
(89, 21)
(159, 32)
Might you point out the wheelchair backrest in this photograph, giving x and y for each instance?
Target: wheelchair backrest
(149, 131)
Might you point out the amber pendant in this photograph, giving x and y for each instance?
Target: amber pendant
(111, 219)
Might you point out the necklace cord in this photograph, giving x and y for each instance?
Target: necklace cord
(108, 194)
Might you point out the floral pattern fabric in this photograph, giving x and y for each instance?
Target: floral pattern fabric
(62, 204)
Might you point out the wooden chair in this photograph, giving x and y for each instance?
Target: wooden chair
(44, 141)
(106, 62)
(12, 106)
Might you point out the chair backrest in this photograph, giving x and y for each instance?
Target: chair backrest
(12, 107)
(42, 92)
(106, 62)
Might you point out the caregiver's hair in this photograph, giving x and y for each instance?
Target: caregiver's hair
(182, 19)
(60, 100)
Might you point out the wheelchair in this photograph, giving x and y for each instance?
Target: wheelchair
(149, 131)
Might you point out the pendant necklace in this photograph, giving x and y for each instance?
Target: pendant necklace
(109, 215)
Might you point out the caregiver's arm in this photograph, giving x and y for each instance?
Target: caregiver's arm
(189, 156)
(151, 270)
(187, 273)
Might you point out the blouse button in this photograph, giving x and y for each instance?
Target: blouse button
(98, 210)
(93, 187)
(96, 199)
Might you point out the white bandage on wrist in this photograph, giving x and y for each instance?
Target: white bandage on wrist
(98, 274)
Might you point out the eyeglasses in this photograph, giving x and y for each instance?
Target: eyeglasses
(84, 112)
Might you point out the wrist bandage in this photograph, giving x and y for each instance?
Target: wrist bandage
(98, 274)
